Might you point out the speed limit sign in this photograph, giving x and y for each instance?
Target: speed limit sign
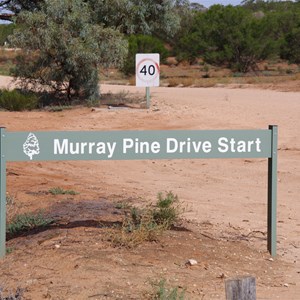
(147, 69)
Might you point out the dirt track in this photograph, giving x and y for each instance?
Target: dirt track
(226, 200)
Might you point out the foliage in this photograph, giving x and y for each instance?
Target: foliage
(268, 5)
(27, 222)
(137, 17)
(64, 49)
(60, 191)
(7, 61)
(167, 209)
(143, 44)
(17, 100)
(147, 224)
(128, 16)
(17, 5)
(5, 31)
(291, 46)
(239, 37)
(228, 35)
(165, 293)
(64, 58)
(137, 228)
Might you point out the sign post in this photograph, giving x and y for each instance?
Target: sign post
(147, 72)
(272, 191)
(2, 195)
(141, 145)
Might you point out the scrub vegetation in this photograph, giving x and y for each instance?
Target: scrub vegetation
(60, 191)
(27, 222)
(164, 292)
(148, 223)
(66, 44)
(17, 100)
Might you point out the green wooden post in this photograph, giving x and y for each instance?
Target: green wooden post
(272, 192)
(148, 98)
(2, 195)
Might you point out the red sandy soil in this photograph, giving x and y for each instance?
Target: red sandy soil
(226, 203)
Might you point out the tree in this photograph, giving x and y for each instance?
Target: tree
(291, 46)
(9, 8)
(268, 5)
(227, 35)
(138, 17)
(128, 16)
(63, 49)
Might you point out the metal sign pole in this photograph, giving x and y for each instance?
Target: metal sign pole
(272, 192)
(2, 195)
(148, 98)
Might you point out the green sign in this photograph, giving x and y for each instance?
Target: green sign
(140, 145)
(128, 145)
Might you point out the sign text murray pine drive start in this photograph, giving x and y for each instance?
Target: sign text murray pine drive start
(121, 145)
(171, 145)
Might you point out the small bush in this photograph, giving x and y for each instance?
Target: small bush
(27, 222)
(122, 205)
(16, 100)
(147, 224)
(167, 209)
(165, 293)
(60, 191)
(137, 228)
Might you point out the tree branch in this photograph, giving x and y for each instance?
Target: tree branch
(7, 17)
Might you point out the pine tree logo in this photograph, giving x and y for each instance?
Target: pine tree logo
(31, 146)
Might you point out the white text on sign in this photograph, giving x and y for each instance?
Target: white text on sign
(170, 146)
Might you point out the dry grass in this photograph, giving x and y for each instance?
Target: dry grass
(146, 224)
(203, 75)
(185, 75)
(11, 207)
(7, 61)
(123, 98)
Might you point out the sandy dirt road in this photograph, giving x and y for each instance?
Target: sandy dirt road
(229, 194)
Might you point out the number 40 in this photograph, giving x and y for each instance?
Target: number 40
(150, 70)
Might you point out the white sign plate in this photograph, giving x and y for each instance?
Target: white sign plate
(147, 69)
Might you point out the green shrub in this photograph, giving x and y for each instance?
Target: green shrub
(167, 209)
(27, 222)
(165, 293)
(143, 44)
(60, 191)
(5, 31)
(147, 224)
(16, 100)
